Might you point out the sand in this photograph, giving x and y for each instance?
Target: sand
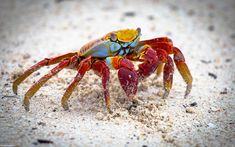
(33, 30)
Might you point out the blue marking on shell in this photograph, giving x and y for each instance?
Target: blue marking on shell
(135, 42)
(114, 46)
(121, 52)
(100, 50)
(108, 61)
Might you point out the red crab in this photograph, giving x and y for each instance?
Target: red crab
(116, 50)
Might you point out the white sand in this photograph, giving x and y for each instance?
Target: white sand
(203, 30)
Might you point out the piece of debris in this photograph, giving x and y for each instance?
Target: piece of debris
(225, 91)
(215, 109)
(211, 125)
(212, 75)
(45, 141)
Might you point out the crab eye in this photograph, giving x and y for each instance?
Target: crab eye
(138, 30)
(113, 36)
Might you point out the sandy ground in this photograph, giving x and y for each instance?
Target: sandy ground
(203, 30)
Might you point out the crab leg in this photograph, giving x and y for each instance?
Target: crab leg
(42, 81)
(160, 43)
(126, 73)
(83, 67)
(45, 62)
(168, 76)
(150, 62)
(183, 69)
(101, 68)
(157, 40)
(159, 70)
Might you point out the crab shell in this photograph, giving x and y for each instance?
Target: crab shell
(117, 43)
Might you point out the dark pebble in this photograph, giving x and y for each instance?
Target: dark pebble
(191, 12)
(193, 104)
(211, 28)
(26, 56)
(41, 123)
(45, 141)
(59, 1)
(144, 146)
(37, 74)
(174, 7)
(129, 14)
(34, 128)
(225, 91)
(206, 62)
(151, 17)
(228, 60)
(232, 36)
(212, 75)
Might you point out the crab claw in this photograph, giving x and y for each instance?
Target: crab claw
(129, 81)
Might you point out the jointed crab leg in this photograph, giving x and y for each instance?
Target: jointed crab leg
(183, 69)
(160, 43)
(101, 68)
(168, 76)
(43, 80)
(45, 62)
(84, 66)
(166, 45)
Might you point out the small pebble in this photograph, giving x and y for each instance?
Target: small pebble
(26, 56)
(232, 36)
(41, 123)
(194, 104)
(206, 61)
(211, 28)
(150, 17)
(225, 91)
(99, 116)
(190, 110)
(212, 75)
(44, 141)
(129, 14)
(191, 12)
(211, 125)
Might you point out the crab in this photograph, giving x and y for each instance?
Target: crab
(115, 50)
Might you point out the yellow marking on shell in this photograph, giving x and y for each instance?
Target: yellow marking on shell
(126, 35)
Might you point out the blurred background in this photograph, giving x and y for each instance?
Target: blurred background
(204, 30)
